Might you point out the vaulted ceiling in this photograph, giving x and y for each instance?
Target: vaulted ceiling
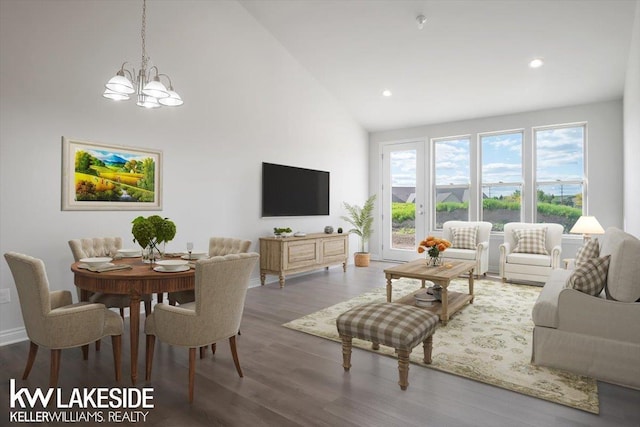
(470, 59)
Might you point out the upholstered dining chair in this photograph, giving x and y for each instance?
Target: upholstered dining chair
(52, 321)
(221, 285)
(218, 246)
(530, 251)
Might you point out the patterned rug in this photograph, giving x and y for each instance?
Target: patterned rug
(488, 341)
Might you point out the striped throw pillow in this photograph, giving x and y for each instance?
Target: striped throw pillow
(591, 249)
(531, 241)
(591, 276)
(464, 237)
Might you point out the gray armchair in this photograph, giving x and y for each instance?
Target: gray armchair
(221, 285)
(52, 321)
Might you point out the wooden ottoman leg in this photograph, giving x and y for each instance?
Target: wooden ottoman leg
(375, 345)
(346, 352)
(428, 346)
(403, 368)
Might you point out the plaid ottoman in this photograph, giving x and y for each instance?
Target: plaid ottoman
(395, 325)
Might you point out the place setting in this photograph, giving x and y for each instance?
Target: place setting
(101, 264)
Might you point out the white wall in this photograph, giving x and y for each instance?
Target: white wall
(246, 101)
(604, 156)
(632, 133)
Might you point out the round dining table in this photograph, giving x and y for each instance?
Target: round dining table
(141, 279)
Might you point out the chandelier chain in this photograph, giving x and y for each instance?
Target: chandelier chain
(143, 32)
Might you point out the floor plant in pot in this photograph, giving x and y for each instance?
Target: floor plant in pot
(150, 233)
(361, 218)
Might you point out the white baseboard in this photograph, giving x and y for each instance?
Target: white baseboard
(11, 336)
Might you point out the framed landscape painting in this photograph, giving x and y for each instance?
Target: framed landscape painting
(110, 177)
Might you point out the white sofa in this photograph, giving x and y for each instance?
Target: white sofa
(593, 335)
(530, 267)
(480, 254)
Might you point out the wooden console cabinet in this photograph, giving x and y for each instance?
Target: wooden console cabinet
(287, 255)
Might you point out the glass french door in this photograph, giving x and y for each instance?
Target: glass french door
(402, 205)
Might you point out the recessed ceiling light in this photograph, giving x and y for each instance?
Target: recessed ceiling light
(386, 93)
(536, 63)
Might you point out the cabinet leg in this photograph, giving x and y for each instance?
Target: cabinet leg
(263, 278)
(344, 266)
(281, 281)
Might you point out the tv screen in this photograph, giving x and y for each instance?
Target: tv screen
(291, 191)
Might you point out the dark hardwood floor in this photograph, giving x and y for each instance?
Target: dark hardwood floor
(294, 379)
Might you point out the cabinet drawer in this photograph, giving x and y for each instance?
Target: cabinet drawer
(334, 249)
(301, 254)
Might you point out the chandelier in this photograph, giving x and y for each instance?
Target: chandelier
(150, 91)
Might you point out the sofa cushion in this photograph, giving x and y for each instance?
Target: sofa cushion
(590, 249)
(623, 280)
(591, 276)
(456, 253)
(531, 240)
(464, 237)
(529, 259)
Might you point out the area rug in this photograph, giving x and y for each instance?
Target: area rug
(488, 341)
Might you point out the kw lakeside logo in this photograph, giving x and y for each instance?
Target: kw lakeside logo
(96, 404)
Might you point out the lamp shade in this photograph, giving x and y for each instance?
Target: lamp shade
(156, 89)
(116, 96)
(120, 84)
(173, 100)
(587, 225)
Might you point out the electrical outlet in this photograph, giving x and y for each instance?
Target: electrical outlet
(5, 296)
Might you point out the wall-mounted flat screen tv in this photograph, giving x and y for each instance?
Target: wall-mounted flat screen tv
(292, 191)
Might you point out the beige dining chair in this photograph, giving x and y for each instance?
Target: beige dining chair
(218, 246)
(52, 321)
(98, 247)
(221, 285)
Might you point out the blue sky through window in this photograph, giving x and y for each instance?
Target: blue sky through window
(452, 162)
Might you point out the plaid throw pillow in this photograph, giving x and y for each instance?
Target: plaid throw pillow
(531, 241)
(464, 237)
(591, 276)
(591, 249)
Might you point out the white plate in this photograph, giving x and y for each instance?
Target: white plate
(195, 257)
(87, 266)
(161, 269)
(129, 253)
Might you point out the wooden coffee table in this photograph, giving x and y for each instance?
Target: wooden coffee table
(440, 275)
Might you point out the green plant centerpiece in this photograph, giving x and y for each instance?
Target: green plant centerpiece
(151, 232)
(361, 218)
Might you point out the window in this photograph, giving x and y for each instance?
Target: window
(560, 173)
(451, 165)
(501, 178)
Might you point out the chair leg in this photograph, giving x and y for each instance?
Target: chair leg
(203, 351)
(346, 352)
(122, 313)
(147, 307)
(55, 367)
(116, 343)
(151, 340)
(234, 353)
(33, 350)
(160, 297)
(213, 348)
(192, 371)
(85, 352)
(98, 345)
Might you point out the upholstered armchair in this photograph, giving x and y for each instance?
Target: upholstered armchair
(52, 321)
(469, 242)
(221, 285)
(218, 246)
(530, 251)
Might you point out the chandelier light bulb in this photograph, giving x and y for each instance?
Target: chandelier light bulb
(536, 63)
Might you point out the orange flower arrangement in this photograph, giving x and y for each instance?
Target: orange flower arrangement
(433, 246)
